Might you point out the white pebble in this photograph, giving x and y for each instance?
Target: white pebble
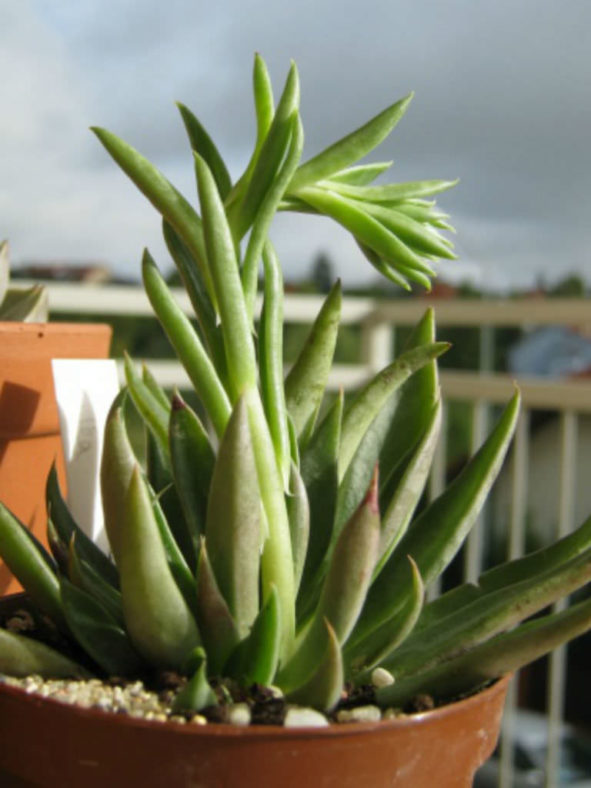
(381, 677)
(360, 714)
(239, 714)
(298, 717)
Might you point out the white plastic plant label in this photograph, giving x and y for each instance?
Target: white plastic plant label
(85, 390)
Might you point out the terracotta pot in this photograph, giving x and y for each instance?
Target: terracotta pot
(29, 427)
(45, 743)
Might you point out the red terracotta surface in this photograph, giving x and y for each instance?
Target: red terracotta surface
(45, 743)
(29, 427)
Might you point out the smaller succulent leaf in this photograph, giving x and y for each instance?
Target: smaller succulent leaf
(216, 625)
(150, 382)
(153, 413)
(298, 512)
(163, 196)
(160, 477)
(406, 485)
(438, 532)
(414, 410)
(319, 472)
(324, 688)
(197, 694)
(65, 526)
(366, 229)
(99, 634)
(192, 463)
(363, 409)
(258, 238)
(351, 148)
(271, 360)
(158, 619)
(93, 583)
(361, 175)
(394, 192)
(202, 143)
(306, 381)
(256, 658)
(494, 658)
(196, 290)
(178, 565)
(117, 464)
(233, 310)
(22, 656)
(344, 589)
(269, 158)
(187, 345)
(233, 527)
(31, 564)
(388, 638)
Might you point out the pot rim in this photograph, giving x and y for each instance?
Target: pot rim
(217, 730)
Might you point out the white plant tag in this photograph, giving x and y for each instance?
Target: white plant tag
(84, 390)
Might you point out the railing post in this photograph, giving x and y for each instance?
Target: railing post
(377, 343)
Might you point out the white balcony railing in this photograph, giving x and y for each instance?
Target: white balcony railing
(378, 319)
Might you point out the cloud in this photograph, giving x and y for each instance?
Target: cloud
(501, 101)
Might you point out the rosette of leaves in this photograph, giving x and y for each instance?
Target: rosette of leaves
(25, 304)
(272, 537)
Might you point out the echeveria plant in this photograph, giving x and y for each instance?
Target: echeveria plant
(273, 538)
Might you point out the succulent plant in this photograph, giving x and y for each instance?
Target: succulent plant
(274, 536)
(28, 305)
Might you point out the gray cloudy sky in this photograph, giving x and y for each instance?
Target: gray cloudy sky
(502, 102)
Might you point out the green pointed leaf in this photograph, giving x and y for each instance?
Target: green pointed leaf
(369, 401)
(489, 614)
(32, 566)
(414, 411)
(437, 534)
(407, 484)
(23, 656)
(198, 295)
(217, 627)
(394, 192)
(154, 414)
(159, 622)
(234, 315)
(192, 463)
(155, 389)
(99, 634)
(298, 511)
(202, 143)
(344, 589)
(361, 175)
(269, 159)
(65, 526)
(320, 476)
(233, 528)
(256, 658)
(197, 694)
(187, 345)
(258, 239)
(163, 196)
(351, 148)
(271, 359)
(306, 382)
(117, 464)
(323, 690)
(389, 638)
(355, 218)
(497, 657)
